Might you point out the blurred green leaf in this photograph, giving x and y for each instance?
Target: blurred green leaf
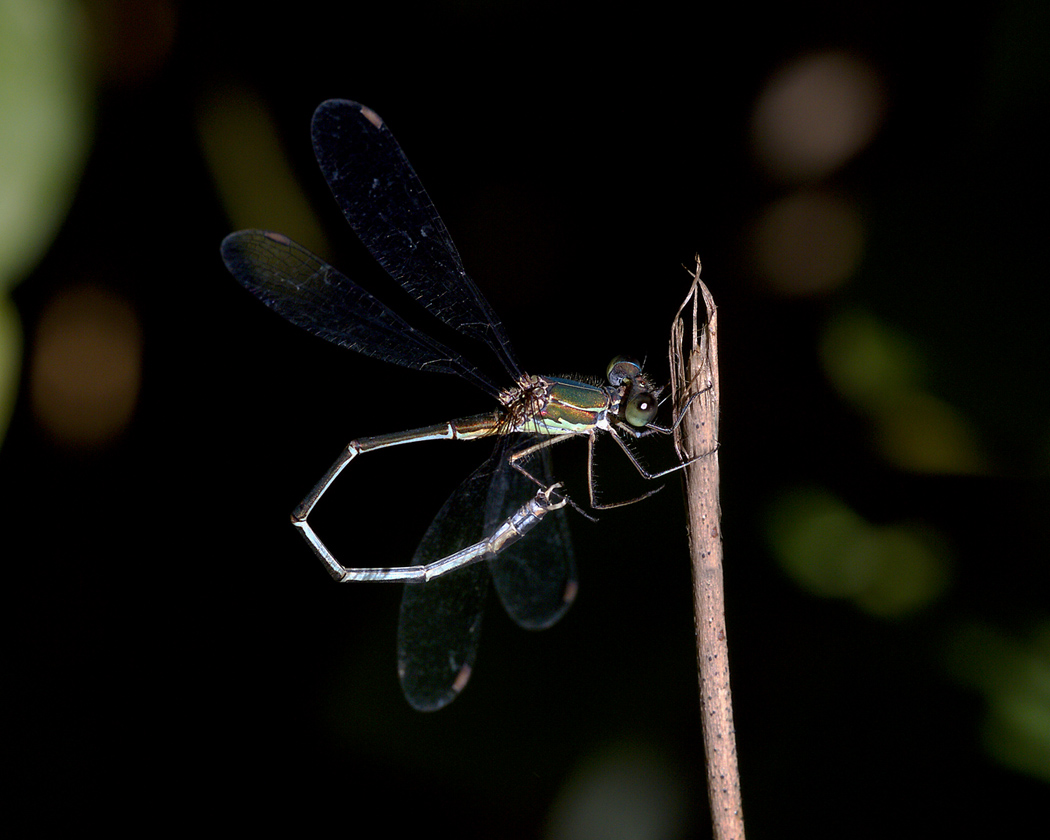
(45, 131)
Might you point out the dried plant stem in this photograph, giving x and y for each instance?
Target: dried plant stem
(694, 378)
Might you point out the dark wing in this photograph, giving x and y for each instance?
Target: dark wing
(440, 622)
(315, 296)
(386, 205)
(536, 576)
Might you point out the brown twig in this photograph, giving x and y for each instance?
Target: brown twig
(694, 380)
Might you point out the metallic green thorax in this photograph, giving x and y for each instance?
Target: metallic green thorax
(563, 407)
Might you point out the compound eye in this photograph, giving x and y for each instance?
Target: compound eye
(622, 369)
(641, 409)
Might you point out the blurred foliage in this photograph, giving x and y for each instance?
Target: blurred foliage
(883, 374)
(1013, 675)
(253, 176)
(45, 132)
(888, 570)
(886, 418)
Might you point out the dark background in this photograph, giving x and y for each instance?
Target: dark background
(176, 654)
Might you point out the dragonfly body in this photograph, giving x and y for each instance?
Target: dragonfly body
(544, 406)
(510, 511)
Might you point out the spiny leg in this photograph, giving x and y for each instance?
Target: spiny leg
(641, 468)
(591, 485)
(642, 471)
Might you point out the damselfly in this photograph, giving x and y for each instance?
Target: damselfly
(513, 492)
